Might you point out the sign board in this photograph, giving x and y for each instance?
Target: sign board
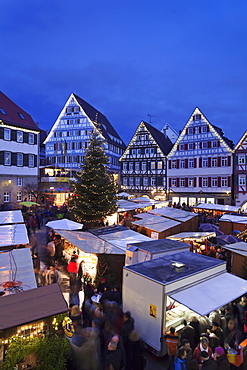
(154, 235)
(152, 310)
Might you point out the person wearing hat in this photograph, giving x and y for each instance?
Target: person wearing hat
(215, 336)
(221, 359)
(207, 362)
(203, 346)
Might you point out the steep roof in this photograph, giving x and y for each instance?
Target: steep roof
(99, 118)
(12, 114)
(221, 133)
(163, 142)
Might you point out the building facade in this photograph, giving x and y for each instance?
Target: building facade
(143, 164)
(240, 172)
(200, 164)
(19, 150)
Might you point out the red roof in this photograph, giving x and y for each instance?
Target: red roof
(13, 115)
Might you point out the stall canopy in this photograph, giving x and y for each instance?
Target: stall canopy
(239, 248)
(89, 243)
(17, 265)
(155, 223)
(234, 218)
(124, 195)
(173, 213)
(64, 224)
(210, 228)
(212, 293)
(217, 207)
(11, 217)
(192, 235)
(32, 305)
(11, 235)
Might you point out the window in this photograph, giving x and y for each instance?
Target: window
(224, 161)
(242, 180)
(214, 182)
(30, 160)
(197, 117)
(7, 158)
(21, 116)
(125, 166)
(181, 146)
(131, 181)
(152, 165)
(241, 159)
(214, 162)
(204, 162)
(139, 151)
(190, 131)
(182, 182)
(30, 138)
(160, 165)
(19, 137)
(30, 197)
(19, 196)
(204, 129)
(131, 167)
(191, 181)
(145, 181)
(19, 159)
(6, 196)
(214, 144)
(138, 181)
(174, 182)
(144, 166)
(190, 146)
(174, 164)
(6, 134)
(205, 181)
(2, 111)
(151, 150)
(146, 150)
(223, 181)
(125, 181)
(204, 145)
(182, 163)
(133, 151)
(191, 163)
(153, 181)
(55, 134)
(137, 166)
(19, 181)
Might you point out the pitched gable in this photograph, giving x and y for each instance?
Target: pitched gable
(242, 144)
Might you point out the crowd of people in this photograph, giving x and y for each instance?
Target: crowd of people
(205, 344)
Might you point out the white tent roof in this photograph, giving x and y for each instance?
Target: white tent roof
(234, 218)
(192, 235)
(124, 194)
(173, 213)
(217, 207)
(239, 248)
(17, 264)
(89, 243)
(126, 205)
(11, 217)
(121, 238)
(213, 293)
(155, 223)
(11, 235)
(64, 224)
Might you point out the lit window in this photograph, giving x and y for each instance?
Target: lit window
(30, 160)
(174, 182)
(19, 137)
(7, 158)
(182, 163)
(6, 134)
(223, 181)
(241, 159)
(152, 165)
(224, 161)
(160, 165)
(204, 181)
(242, 180)
(191, 163)
(144, 166)
(174, 164)
(21, 116)
(6, 196)
(19, 181)
(214, 162)
(19, 196)
(204, 162)
(182, 182)
(214, 182)
(30, 197)
(19, 159)
(191, 181)
(153, 181)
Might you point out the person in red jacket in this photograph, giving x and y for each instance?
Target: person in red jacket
(202, 346)
(171, 339)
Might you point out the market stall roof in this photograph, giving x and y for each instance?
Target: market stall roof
(159, 226)
(11, 217)
(31, 305)
(210, 228)
(173, 213)
(143, 200)
(213, 293)
(89, 243)
(161, 245)
(198, 235)
(234, 218)
(217, 207)
(11, 235)
(64, 224)
(126, 205)
(17, 265)
(124, 194)
(239, 248)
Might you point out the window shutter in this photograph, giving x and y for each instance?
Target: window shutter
(218, 143)
(13, 135)
(209, 144)
(186, 182)
(142, 151)
(177, 182)
(200, 162)
(236, 159)
(229, 181)
(35, 138)
(169, 164)
(170, 182)
(1, 157)
(229, 161)
(194, 130)
(1, 132)
(186, 163)
(236, 180)
(208, 128)
(200, 182)
(199, 129)
(209, 182)
(200, 145)
(185, 146)
(177, 163)
(219, 182)
(194, 162)
(159, 181)
(35, 160)
(195, 182)
(25, 137)
(194, 145)
(25, 160)
(219, 161)
(13, 159)
(186, 132)
(209, 161)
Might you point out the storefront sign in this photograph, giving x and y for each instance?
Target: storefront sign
(152, 310)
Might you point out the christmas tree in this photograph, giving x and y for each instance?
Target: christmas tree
(94, 189)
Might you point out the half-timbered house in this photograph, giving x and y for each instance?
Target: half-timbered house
(143, 164)
(200, 164)
(240, 172)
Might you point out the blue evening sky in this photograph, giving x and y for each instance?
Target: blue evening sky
(128, 59)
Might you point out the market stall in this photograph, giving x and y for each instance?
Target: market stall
(11, 217)
(215, 210)
(198, 240)
(173, 284)
(238, 258)
(230, 223)
(13, 236)
(188, 220)
(145, 251)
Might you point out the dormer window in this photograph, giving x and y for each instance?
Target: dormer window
(21, 116)
(197, 117)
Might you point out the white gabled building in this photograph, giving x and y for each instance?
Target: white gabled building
(19, 150)
(169, 132)
(240, 172)
(200, 164)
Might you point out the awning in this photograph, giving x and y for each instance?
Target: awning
(211, 294)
